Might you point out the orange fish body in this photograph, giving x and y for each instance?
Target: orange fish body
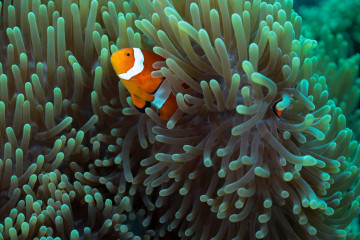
(134, 66)
(276, 109)
(278, 112)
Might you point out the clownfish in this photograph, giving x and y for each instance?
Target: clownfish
(134, 66)
(277, 112)
(275, 106)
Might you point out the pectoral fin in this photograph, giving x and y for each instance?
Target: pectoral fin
(136, 90)
(138, 102)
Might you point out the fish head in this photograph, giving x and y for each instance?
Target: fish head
(123, 60)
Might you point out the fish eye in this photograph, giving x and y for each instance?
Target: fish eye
(127, 54)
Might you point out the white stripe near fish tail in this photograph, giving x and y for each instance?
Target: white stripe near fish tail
(138, 65)
(162, 94)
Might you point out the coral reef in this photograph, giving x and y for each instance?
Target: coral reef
(344, 20)
(342, 75)
(301, 3)
(78, 161)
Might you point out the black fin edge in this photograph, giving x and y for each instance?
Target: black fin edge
(142, 110)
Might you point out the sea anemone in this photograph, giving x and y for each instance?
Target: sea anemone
(255, 150)
(230, 161)
(59, 117)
